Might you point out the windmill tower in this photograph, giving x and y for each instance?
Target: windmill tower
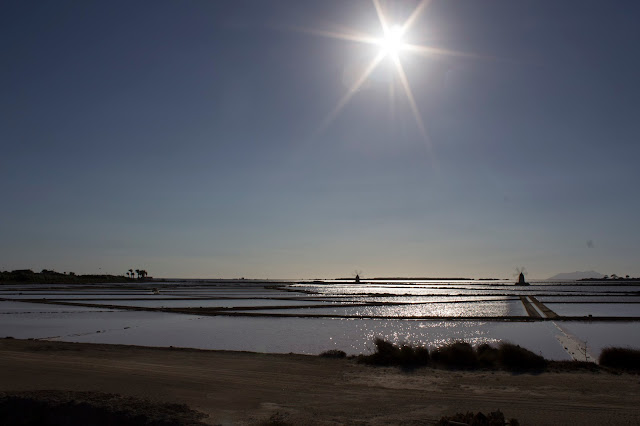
(521, 272)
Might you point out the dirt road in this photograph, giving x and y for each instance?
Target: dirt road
(249, 388)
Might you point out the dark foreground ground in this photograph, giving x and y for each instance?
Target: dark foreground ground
(173, 386)
(69, 408)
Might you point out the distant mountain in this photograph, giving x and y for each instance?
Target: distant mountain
(578, 275)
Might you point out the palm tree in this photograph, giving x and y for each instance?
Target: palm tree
(138, 272)
(131, 272)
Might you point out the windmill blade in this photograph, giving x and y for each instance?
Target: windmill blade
(520, 270)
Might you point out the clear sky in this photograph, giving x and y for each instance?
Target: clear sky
(208, 138)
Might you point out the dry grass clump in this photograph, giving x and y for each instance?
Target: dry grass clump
(620, 358)
(583, 366)
(90, 408)
(334, 353)
(277, 419)
(495, 418)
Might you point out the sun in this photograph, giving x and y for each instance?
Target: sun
(391, 44)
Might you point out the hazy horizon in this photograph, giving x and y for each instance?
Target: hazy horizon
(567, 276)
(284, 139)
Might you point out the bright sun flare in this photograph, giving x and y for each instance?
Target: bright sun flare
(390, 46)
(392, 42)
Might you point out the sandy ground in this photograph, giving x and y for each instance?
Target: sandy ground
(249, 388)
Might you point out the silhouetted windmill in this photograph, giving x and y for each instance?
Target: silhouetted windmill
(520, 273)
(358, 273)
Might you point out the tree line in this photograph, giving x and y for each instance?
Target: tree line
(140, 272)
(47, 276)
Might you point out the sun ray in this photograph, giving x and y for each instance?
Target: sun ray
(428, 51)
(350, 92)
(381, 17)
(392, 101)
(346, 36)
(412, 102)
(414, 15)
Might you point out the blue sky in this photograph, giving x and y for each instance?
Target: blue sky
(191, 139)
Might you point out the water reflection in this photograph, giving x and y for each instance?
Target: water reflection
(27, 319)
(462, 309)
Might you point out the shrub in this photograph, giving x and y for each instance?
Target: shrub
(515, 358)
(487, 356)
(334, 353)
(413, 356)
(507, 356)
(620, 358)
(455, 355)
(389, 354)
(386, 353)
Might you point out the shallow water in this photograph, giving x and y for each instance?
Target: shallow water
(597, 298)
(314, 335)
(26, 308)
(85, 296)
(416, 299)
(276, 335)
(596, 309)
(599, 335)
(221, 303)
(462, 309)
(455, 288)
